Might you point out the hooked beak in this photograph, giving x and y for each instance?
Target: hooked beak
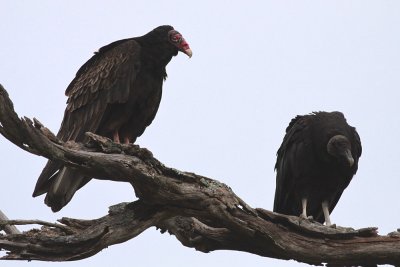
(184, 47)
(188, 52)
(349, 157)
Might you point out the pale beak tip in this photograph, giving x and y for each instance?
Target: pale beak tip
(188, 52)
(351, 162)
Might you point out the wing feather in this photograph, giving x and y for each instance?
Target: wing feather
(106, 78)
(287, 158)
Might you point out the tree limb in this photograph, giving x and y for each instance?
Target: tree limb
(202, 213)
(8, 228)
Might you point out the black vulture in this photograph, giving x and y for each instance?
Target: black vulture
(315, 163)
(116, 94)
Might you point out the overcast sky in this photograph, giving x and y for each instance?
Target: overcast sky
(255, 65)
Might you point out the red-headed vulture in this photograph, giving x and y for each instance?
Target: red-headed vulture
(116, 94)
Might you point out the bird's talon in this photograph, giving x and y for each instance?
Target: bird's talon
(304, 217)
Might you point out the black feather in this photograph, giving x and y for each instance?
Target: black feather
(305, 169)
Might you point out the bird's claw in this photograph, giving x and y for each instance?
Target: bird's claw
(308, 218)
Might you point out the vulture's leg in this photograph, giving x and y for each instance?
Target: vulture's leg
(325, 209)
(303, 215)
(126, 141)
(304, 206)
(116, 136)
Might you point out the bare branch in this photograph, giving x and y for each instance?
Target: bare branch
(8, 228)
(84, 237)
(202, 213)
(11, 223)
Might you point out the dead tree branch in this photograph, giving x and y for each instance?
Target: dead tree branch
(8, 228)
(202, 213)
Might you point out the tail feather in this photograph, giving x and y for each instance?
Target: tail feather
(63, 188)
(46, 178)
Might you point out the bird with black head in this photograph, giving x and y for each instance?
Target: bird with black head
(315, 163)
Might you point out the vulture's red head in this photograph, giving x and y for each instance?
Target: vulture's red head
(177, 40)
(166, 34)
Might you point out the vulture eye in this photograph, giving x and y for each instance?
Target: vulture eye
(175, 37)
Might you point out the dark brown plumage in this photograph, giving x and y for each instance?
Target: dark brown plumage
(315, 163)
(116, 93)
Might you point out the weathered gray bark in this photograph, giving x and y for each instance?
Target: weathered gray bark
(202, 213)
(9, 228)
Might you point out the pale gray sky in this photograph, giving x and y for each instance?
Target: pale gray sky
(256, 65)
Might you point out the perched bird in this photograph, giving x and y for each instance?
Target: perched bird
(116, 94)
(315, 163)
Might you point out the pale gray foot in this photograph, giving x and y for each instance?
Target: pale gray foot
(325, 210)
(303, 215)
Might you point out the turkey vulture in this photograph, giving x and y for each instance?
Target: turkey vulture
(116, 94)
(315, 163)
